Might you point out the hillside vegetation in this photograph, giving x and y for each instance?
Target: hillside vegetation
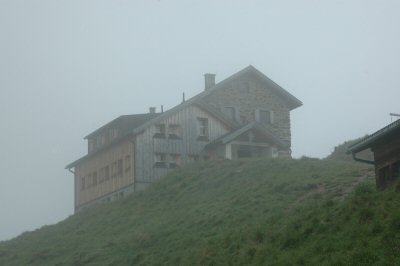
(340, 152)
(255, 212)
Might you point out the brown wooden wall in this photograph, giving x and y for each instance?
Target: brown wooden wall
(89, 188)
(387, 162)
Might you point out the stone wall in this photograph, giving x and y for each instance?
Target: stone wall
(248, 94)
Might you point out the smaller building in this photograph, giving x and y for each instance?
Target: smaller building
(385, 144)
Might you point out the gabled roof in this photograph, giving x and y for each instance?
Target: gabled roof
(137, 123)
(378, 136)
(195, 101)
(292, 101)
(230, 136)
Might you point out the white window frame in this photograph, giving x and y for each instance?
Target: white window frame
(203, 128)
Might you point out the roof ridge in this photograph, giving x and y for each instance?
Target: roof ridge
(370, 138)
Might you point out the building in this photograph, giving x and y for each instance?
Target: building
(245, 115)
(385, 144)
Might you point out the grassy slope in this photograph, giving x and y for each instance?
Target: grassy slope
(274, 212)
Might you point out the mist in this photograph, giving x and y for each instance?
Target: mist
(68, 67)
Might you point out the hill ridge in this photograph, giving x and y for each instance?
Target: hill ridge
(258, 212)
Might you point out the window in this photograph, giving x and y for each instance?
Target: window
(107, 173)
(101, 140)
(230, 112)
(101, 175)
(89, 181)
(274, 152)
(94, 178)
(160, 131)
(203, 128)
(160, 160)
(113, 133)
(174, 160)
(91, 145)
(83, 183)
(244, 87)
(244, 152)
(127, 163)
(120, 168)
(174, 131)
(193, 158)
(264, 116)
(114, 170)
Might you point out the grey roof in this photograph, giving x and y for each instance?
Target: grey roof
(293, 102)
(138, 123)
(126, 123)
(230, 136)
(376, 137)
(195, 101)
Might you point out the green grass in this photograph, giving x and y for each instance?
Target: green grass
(251, 212)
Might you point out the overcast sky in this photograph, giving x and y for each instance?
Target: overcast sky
(68, 67)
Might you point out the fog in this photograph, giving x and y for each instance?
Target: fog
(68, 67)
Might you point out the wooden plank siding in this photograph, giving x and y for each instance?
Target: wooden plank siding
(387, 162)
(187, 145)
(89, 192)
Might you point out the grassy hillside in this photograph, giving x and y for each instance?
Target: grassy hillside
(340, 152)
(257, 212)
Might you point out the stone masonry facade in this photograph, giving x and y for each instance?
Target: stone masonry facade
(249, 94)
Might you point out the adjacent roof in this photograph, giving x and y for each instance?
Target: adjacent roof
(230, 136)
(126, 123)
(376, 137)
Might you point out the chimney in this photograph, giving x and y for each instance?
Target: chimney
(152, 110)
(209, 81)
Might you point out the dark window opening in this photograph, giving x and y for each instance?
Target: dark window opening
(160, 131)
(127, 163)
(94, 177)
(230, 112)
(101, 175)
(120, 168)
(244, 152)
(83, 183)
(174, 131)
(160, 160)
(265, 117)
(175, 160)
(193, 158)
(114, 170)
(203, 128)
(107, 173)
